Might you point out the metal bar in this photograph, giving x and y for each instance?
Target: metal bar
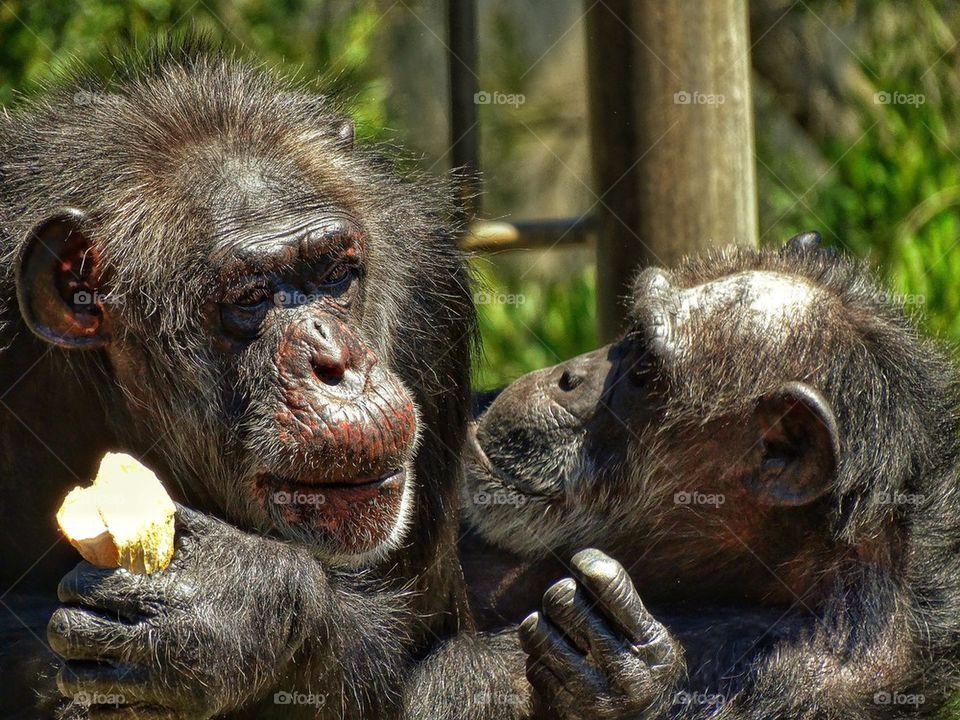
(464, 85)
(489, 236)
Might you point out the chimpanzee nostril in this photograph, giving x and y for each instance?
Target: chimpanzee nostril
(569, 381)
(329, 369)
(321, 328)
(337, 357)
(577, 384)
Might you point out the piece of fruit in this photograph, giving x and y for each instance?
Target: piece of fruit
(124, 519)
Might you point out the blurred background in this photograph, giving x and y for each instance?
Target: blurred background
(856, 120)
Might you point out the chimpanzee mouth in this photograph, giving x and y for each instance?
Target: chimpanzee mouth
(474, 451)
(484, 473)
(342, 518)
(478, 458)
(389, 480)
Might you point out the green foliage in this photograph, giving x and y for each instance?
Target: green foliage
(330, 43)
(893, 195)
(527, 323)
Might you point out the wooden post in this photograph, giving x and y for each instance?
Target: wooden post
(672, 134)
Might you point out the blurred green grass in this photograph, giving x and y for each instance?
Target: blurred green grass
(332, 42)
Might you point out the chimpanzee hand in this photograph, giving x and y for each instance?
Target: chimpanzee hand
(214, 629)
(594, 652)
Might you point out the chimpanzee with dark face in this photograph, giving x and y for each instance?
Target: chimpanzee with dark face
(201, 269)
(771, 453)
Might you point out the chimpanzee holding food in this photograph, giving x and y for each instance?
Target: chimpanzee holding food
(202, 269)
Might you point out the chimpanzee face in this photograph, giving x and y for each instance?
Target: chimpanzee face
(272, 370)
(700, 396)
(342, 426)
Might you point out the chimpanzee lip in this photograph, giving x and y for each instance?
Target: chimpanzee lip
(476, 450)
(391, 477)
(477, 455)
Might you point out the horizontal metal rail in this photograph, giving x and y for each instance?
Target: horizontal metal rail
(494, 236)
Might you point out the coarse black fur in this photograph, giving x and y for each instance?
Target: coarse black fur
(783, 493)
(182, 149)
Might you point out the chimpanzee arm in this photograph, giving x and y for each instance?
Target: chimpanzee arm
(846, 668)
(235, 621)
(471, 677)
(593, 653)
(247, 627)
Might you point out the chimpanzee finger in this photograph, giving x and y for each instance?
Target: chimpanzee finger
(80, 634)
(99, 682)
(560, 606)
(545, 644)
(192, 522)
(612, 592)
(109, 589)
(570, 609)
(115, 590)
(549, 690)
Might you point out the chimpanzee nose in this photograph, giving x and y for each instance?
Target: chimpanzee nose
(577, 384)
(332, 357)
(328, 367)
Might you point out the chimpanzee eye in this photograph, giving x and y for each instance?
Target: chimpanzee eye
(243, 314)
(243, 320)
(337, 277)
(253, 297)
(637, 356)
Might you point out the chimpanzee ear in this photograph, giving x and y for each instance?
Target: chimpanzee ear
(808, 242)
(58, 277)
(801, 447)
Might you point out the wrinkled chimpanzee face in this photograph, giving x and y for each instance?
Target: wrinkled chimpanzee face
(332, 431)
(254, 338)
(708, 403)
